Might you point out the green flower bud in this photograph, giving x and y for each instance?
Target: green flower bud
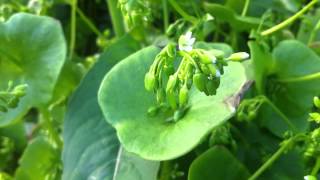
(199, 80)
(183, 95)
(190, 70)
(206, 59)
(20, 90)
(241, 116)
(211, 87)
(316, 101)
(239, 56)
(252, 115)
(160, 94)
(205, 69)
(172, 99)
(212, 68)
(171, 83)
(152, 111)
(149, 81)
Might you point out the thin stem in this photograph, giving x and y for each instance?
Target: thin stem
(274, 157)
(165, 14)
(316, 168)
(165, 172)
(301, 78)
(314, 32)
(245, 8)
(195, 8)
(289, 20)
(73, 28)
(279, 112)
(89, 22)
(116, 18)
(184, 54)
(184, 14)
(47, 121)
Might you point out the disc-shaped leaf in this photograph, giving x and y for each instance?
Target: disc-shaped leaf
(91, 148)
(217, 163)
(124, 102)
(32, 52)
(288, 90)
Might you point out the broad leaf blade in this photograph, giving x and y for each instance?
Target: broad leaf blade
(125, 102)
(32, 52)
(215, 164)
(292, 60)
(92, 149)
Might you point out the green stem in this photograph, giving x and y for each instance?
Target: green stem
(73, 28)
(52, 133)
(314, 32)
(301, 78)
(316, 168)
(279, 112)
(188, 57)
(89, 22)
(165, 172)
(274, 157)
(245, 8)
(116, 18)
(165, 14)
(289, 20)
(185, 15)
(195, 8)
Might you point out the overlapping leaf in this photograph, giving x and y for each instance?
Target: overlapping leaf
(125, 102)
(32, 52)
(92, 150)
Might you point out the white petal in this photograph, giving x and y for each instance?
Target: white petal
(191, 41)
(188, 48)
(188, 35)
(185, 48)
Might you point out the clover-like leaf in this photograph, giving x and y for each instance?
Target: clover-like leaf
(98, 154)
(32, 52)
(125, 103)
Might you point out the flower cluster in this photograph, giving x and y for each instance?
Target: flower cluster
(199, 67)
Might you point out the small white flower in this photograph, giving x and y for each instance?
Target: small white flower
(186, 42)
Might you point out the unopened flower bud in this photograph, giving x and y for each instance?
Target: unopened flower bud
(199, 80)
(183, 95)
(149, 81)
(239, 56)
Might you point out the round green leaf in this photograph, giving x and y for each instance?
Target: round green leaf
(215, 164)
(98, 154)
(292, 59)
(32, 52)
(125, 102)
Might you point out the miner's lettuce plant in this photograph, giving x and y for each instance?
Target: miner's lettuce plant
(159, 89)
